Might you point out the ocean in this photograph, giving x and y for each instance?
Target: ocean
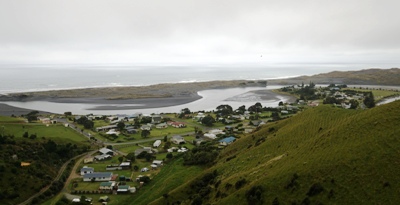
(24, 78)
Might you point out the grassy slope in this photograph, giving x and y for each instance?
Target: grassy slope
(171, 176)
(352, 154)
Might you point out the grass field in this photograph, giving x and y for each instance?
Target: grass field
(378, 94)
(56, 132)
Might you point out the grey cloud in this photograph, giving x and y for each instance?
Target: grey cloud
(181, 30)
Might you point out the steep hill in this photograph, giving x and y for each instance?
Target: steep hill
(361, 77)
(324, 155)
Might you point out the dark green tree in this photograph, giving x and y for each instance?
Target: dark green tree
(145, 133)
(121, 125)
(131, 157)
(208, 120)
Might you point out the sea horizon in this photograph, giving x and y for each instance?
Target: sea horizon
(44, 77)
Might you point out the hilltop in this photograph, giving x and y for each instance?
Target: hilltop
(361, 77)
(323, 155)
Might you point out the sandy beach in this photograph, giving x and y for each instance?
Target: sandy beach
(123, 98)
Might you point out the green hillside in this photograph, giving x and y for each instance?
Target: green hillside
(324, 155)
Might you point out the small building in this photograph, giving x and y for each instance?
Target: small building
(145, 127)
(125, 165)
(177, 139)
(162, 126)
(102, 157)
(123, 189)
(226, 141)
(155, 119)
(106, 128)
(157, 143)
(106, 185)
(144, 149)
(285, 112)
(86, 170)
(106, 151)
(131, 131)
(97, 176)
(177, 124)
(88, 160)
(158, 163)
(113, 167)
(145, 169)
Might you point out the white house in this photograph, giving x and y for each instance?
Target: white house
(158, 163)
(86, 170)
(106, 151)
(97, 176)
(157, 143)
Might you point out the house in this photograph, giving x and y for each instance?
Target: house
(172, 149)
(216, 132)
(88, 160)
(177, 124)
(144, 149)
(158, 163)
(131, 131)
(97, 176)
(199, 116)
(285, 112)
(162, 126)
(226, 141)
(112, 132)
(102, 157)
(113, 167)
(145, 169)
(210, 136)
(177, 139)
(123, 189)
(86, 170)
(157, 143)
(145, 127)
(125, 165)
(107, 185)
(106, 151)
(106, 128)
(44, 120)
(155, 119)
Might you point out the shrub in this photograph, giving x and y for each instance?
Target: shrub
(255, 195)
(315, 189)
(239, 184)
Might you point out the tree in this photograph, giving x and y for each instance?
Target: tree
(131, 157)
(145, 120)
(185, 111)
(121, 126)
(208, 120)
(165, 138)
(145, 133)
(167, 145)
(120, 159)
(224, 110)
(136, 168)
(169, 156)
(354, 104)
(26, 135)
(67, 114)
(280, 103)
(369, 100)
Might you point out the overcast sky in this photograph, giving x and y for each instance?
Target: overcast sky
(205, 31)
